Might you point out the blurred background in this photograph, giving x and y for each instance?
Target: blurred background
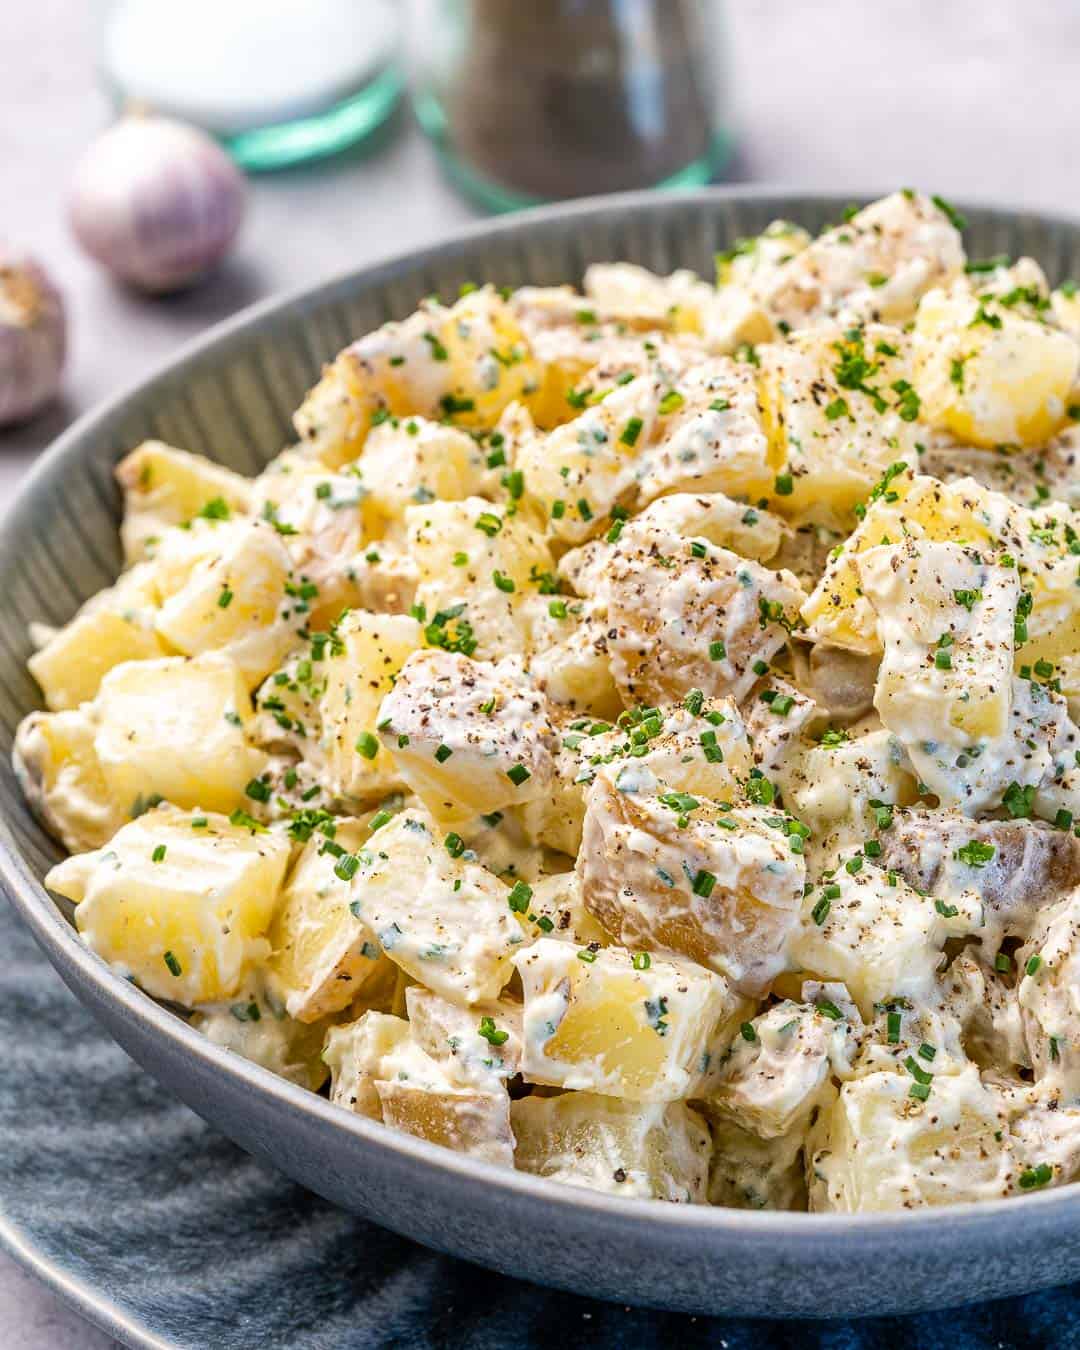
(323, 135)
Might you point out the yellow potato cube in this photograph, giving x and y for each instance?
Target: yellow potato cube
(839, 408)
(323, 956)
(70, 666)
(701, 431)
(378, 1070)
(462, 1119)
(468, 362)
(477, 1047)
(782, 1066)
(575, 671)
(678, 872)
(878, 1148)
(234, 600)
(164, 486)
(945, 618)
(988, 375)
(649, 1150)
(466, 736)
(176, 730)
(479, 568)
(58, 770)
(635, 295)
(444, 920)
(875, 265)
(322, 516)
(413, 460)
(921, 508)
(831, 785)
(653, 1030)
(684, 614)
(870, 931)
(360, 670)
(181, 901)
(357, 1053)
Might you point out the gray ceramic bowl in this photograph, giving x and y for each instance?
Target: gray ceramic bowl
(229, 396)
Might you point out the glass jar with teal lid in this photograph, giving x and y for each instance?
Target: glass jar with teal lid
(277, 81)
(528, 102)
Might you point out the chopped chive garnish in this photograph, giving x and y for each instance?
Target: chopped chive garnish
(519, 897)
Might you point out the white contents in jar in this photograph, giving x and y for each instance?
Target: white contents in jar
(248, 63)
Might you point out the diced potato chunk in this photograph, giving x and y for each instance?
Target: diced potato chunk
(180, 901)
(965, 513)
(480, 569)
(946, 619)
(674, 871)
(874, 266)
(321, 519)
(683, 614)
(839, 408)
(462, 1119)
(175, 730)
(575, 672)
(831, 784)
(989, 375)
(749, 531)
(71, 665)
(232, 598)
(378, 1070)
(468, 362)
(702, 751)
(882, 940)
(360, 670)
(477, 1047)
(650, 1150)
(413, 460)
(444, 920)
(468, 737)
(945, 686)
(164, 487)
(634, 294)
(58, 770)
(1016, 867)
(781, 1066)
(698, 431)
(878, 1148)
(323, 956)
(595, 1021)
(377, 1047)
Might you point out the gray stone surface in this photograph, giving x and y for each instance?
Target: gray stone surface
(969, 99)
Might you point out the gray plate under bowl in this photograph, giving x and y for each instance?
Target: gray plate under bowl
(229, 396)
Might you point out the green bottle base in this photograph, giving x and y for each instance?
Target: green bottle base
(326, 133)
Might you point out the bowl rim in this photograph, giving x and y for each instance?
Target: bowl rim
(60, 941)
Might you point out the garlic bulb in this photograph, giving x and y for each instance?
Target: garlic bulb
(33, 337)
(157, 202)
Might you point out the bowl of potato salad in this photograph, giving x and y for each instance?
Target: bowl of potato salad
(566, 743)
